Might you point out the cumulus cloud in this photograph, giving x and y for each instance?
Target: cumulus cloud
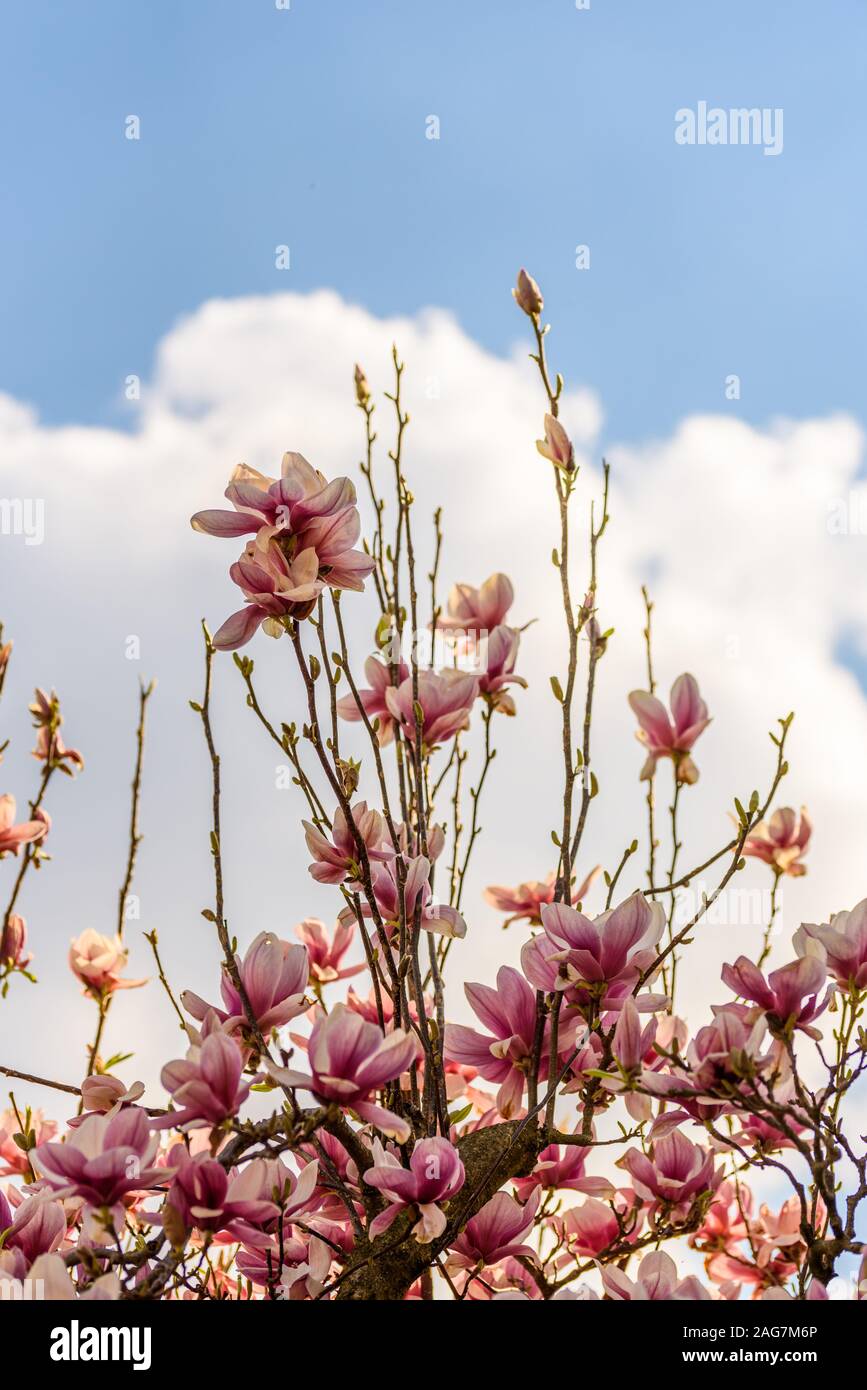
(742, 534)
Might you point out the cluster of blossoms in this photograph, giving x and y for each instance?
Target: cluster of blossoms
(324, 1140)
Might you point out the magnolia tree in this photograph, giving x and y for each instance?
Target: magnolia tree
(579, 1140)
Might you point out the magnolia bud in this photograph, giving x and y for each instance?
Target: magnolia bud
(362, 390)
(13, 939)
(557, 446)
(527, 294)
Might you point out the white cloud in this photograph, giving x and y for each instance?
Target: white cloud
(753, 593)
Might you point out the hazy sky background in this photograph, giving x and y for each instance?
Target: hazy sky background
(155, 257)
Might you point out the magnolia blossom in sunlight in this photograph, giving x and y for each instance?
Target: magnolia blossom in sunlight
(557, 446)
(50, 747)
(97, 961)
(501, 653)
(672, 1174)
(381, 678)
(106, 1094)
(415, 896)
(303, 510)
(13, 941)
(304, 532)
(561, 1168)
(206, 1086)
(434, 1175)
(671, 737)
(13, 1160)
(348, 1059)
(325, 953)
(339, 858)
(603, 958)
(204, 1195)
(37, 1227)
(478, 610)
(445, 700)
(525, 902)
(103, 1159)
(656, 1279)
(273, 974)
(275, 587)
(14, 837)
(789, 995)
(590, 1228)
(503, 1053)
(781, 841)
(495, 1233)
(843, 941)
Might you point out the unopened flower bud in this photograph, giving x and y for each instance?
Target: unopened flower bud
(557, 446)
(362, 390)
(13, 939)
(527, 294)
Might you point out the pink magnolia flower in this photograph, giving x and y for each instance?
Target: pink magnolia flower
(789, 995)
(50, 747)
(49, 1275)
(434, 1175)
(631, 1045)
(656, 1280)
(501, 653)
(713, 1062)
(781, 841)
(725, 1221)
(206, 1087)
(105, 1094)
(525, 902)
(673, 1174)
(478, 610)
(561, 1167)
(103, 1159)
(38, 1227)
(271, 1182)
(13, 941)
(13, 837)
(304, 509)
(274, 976)
(781, 1231)
(844, 943)
(337, 859)
(368, 1008)
(348, 1059)
(527, 294)
(602, 958)
(14, 1160)
(434, 916)
(445, 700)
(504, 1053)
(97, 961)
(204, 1195)
(496, 1232)
(325, 953)
(275, 587)
(589, 1229)
(373, 699)
(557, 446)
(673, 737)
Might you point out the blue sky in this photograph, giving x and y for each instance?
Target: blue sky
(307, 127)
